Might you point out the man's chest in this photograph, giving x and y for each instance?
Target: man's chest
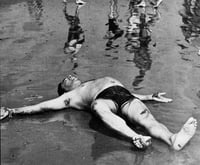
(76, 102)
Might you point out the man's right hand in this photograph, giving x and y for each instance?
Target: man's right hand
(5, 112)
(142, 142)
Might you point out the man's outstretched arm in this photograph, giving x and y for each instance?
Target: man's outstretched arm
(156, 97)
(53, 104)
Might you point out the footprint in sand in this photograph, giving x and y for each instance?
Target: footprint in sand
(188, 130)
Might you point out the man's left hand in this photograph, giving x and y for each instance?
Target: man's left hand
(159, 97)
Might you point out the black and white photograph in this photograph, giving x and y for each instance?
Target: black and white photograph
(100, 82)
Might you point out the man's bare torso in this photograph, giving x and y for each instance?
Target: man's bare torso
(83, 96)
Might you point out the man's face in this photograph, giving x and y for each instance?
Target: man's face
(71, 82)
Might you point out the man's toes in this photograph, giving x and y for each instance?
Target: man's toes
(194, 123)
(191, 122)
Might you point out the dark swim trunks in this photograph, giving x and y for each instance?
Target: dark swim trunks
(118, 94)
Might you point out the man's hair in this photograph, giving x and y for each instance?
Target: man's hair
(60, 89)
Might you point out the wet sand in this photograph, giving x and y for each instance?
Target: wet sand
(32, 37)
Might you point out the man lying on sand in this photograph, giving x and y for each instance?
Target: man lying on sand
(112, 102)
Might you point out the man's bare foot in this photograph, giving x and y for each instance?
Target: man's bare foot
(142, 141)
(188, 130)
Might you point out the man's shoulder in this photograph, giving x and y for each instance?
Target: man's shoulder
(108, 78)
(107, 81)
(99, 83)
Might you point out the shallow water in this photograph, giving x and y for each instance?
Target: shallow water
(159, 52)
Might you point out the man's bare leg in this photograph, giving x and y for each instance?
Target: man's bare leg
(137, 111)
(105, 110)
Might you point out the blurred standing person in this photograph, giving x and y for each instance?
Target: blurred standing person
(76, 35)
(35, 9)
(114, 32)
(138, 35)
(191, 21)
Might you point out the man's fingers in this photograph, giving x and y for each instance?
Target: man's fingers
(167, 99)
(170, 100)
(138, 144)
(142, 142)
(163, 99)
(161, 93)
(159, 97)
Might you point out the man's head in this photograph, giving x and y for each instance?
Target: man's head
(68, 84)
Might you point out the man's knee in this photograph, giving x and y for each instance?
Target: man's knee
(144, 114)
(146, 118)
(138, 110)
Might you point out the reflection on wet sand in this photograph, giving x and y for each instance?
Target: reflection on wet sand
(122, 157)
(35, 8)
(191, 19)
(109, 146)
(138, 34)
(48, 118)
(75, 120)
(114, 32)
(76, 36)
